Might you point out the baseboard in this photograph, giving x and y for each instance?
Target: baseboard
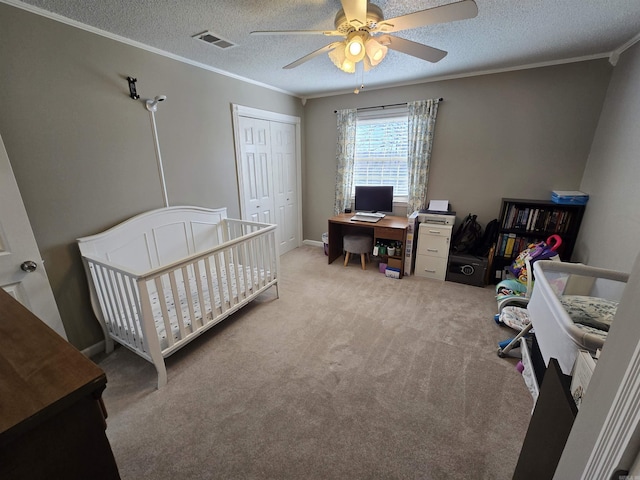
(93, 350)
(313, 243)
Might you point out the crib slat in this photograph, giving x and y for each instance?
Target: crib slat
(111, 306)
(100, 293)
(222, 269)
(257, 263)
(236, 293)
(264, 251)
(123, 307)
(176, 301)
(251, 263)
(188, 294)
(246, 282)
(209, 271)
(165, 313)
(227, 277)
(204, 306)
(273, 256)
(134, 301)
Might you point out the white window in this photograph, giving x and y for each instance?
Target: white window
(381, 150)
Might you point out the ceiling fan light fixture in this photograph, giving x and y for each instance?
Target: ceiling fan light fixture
(355, 49)
(375, 51)
(340, 60)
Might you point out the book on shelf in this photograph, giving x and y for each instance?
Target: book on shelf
(511, 240)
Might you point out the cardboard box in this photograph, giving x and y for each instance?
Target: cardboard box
(394, 263)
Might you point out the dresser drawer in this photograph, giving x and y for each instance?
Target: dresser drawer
(431, 267)
(433, 245)
(437, 230)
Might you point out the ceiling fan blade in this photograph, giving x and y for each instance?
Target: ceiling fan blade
(414, 49)
(315, 53)
(355, 10)
(329, 33)
(431, 16)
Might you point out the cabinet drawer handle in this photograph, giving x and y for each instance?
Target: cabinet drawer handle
(432, 249)
(437, 232)
(430, 271)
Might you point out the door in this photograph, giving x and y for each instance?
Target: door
(255, 156)
(283, 153)
(268, 162)
(22, 272)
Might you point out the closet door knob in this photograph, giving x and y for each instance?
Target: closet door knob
(29, 266)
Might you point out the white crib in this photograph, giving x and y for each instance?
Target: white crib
(164, 277)
(567, 299)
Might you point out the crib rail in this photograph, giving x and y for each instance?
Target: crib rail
(191, 294)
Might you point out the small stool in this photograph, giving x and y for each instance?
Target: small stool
(357, 244)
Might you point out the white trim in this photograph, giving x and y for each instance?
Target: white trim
(94, 349)
(615, 55)
(313, 243)
(620, 425)
(134, 43)
(470, 74)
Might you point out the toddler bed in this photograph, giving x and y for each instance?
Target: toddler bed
(162, 278)
(571, 308)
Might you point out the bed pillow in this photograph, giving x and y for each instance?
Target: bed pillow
(593, 312)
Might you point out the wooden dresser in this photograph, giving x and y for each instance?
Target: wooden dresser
(52, 419)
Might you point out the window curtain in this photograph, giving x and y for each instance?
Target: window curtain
(345, 156)
(422, 124)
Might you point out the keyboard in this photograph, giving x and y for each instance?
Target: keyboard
(365, 218)
(370, 214)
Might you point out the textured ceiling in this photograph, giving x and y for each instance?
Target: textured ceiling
(506, 34)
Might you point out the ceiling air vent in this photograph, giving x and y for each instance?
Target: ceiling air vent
(214, 39)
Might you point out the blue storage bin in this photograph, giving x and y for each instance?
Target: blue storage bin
(563, 197)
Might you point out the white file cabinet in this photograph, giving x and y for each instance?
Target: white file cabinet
(432, 254)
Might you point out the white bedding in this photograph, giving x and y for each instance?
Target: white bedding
(156, 304)
(591, 314)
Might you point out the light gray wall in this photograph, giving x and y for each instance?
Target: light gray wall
(82, 149)
(611, 228)
(610, 238)
(518, 134)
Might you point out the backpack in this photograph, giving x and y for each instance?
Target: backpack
(488, 239)
(467, 236)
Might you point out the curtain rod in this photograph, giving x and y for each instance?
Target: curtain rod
(385, 106)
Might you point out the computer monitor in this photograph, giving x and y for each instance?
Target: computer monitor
(374, 198)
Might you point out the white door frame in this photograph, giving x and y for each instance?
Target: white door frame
(242, 111)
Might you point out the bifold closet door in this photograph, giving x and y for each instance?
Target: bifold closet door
(268, 176)
(256, 183)
(283, 155)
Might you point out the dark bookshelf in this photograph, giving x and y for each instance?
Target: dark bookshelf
(523, 222)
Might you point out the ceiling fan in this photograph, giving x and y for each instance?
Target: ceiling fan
(367, 38)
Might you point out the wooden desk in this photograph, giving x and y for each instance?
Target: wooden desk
(52, 420)
(388, 228)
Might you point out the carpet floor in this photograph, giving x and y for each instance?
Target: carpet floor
(347, 375)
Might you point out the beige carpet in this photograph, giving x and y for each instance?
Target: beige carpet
(348, 375)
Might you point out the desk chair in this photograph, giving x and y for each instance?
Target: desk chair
(357, 244)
